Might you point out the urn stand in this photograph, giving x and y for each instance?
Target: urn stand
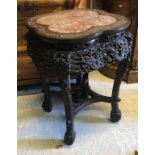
(73, 43)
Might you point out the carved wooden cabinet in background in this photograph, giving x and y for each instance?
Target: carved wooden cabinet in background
(26, 71)
(127, 8)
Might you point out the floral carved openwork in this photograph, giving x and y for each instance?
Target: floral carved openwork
(83, 58)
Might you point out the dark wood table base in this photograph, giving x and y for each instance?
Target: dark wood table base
(76, 54)
(82, 96)
(79, 95)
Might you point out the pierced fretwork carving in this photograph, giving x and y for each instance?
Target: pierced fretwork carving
(82, 58)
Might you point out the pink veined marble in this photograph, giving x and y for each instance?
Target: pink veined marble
(75, 21)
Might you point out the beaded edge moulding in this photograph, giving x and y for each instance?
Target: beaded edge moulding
(76, 23)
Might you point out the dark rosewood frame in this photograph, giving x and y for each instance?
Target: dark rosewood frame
(76, 58)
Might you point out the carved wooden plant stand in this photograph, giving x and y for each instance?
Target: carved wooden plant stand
(60, 43)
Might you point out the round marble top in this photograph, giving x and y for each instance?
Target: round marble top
(76, 23)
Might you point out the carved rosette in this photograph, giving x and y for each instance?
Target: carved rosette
(83, 58)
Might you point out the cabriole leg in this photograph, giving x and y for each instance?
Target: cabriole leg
(47, 103)
(67, 97)
(81, 92)
(115, 115)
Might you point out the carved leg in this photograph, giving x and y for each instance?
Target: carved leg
(66, 90)
(115, 115)
(81, 93)
(85, 85)
(47, 103)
